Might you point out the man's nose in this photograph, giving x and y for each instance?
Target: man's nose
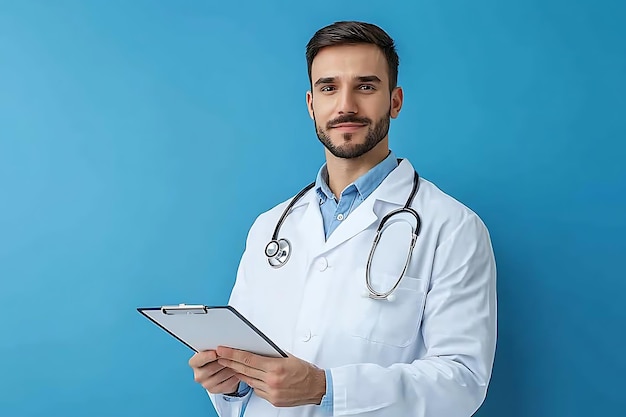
(347, 103)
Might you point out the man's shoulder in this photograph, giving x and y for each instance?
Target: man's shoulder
(441, 209)
(269, 218)
(431, 195)
(274, 212)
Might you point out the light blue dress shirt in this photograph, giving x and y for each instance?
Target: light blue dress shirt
(333, 213)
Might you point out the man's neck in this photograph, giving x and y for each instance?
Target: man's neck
(343, 172)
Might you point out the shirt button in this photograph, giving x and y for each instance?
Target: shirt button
(322, 264)
(340, 217)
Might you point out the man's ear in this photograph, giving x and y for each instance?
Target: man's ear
(309, 104)
(397, 98)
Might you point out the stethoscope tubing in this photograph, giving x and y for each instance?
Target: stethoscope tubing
(278, 251)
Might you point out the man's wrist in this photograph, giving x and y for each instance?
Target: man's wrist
(319, 386)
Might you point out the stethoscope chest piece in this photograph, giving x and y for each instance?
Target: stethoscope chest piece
(278, 252)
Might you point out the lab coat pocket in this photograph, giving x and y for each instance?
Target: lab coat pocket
(393, 322)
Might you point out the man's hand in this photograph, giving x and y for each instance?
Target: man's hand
(214, 377)
(284, 382)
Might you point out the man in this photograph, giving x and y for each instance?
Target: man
(426, 350)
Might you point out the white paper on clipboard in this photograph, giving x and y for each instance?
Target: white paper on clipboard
(205, 328)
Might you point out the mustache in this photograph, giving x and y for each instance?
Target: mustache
(348, 118)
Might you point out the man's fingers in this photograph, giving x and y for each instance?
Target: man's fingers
(241, 356)
(249, 360)
(207, 371)
(241, 368)
(225, 387)
(258, 385)
(202, 358)
(218, 379)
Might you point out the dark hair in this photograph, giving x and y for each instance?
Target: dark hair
(351, 33)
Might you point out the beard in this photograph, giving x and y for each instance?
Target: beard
(375, 133)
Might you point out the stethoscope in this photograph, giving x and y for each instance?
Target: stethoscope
(278, 250)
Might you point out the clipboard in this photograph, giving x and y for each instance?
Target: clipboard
(202, 328)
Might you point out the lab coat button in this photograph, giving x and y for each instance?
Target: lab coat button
(307, 336)
(322, 264)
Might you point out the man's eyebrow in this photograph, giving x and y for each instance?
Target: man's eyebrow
(325, 80)
(359, 78)
(368, 79)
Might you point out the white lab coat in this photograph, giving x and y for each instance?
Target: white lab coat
(428, 353)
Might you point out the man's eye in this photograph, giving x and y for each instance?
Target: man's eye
(366, 87)
(327, 88)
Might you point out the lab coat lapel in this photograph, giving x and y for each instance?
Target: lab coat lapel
(360, 219)
(393, 190)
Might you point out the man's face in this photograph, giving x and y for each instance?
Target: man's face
(350, 101)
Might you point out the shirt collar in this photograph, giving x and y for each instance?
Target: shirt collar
(321, 185)
(364, 185)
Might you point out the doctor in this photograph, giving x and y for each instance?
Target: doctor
(427, 349)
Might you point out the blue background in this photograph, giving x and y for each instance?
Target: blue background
(139, 140)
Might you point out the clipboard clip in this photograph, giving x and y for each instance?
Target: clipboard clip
(184, 309)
